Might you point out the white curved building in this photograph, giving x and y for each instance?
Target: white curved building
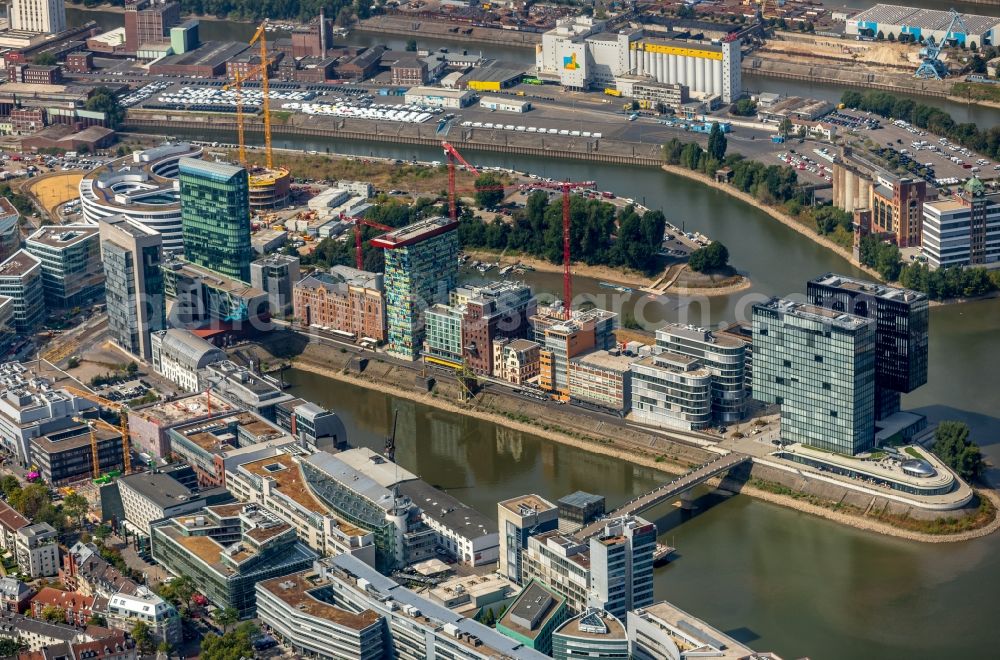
(142, 187)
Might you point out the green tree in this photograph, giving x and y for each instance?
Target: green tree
(164, 647)
(363, 8)
(76, 506)
(744, 108)
(978, 64)
(102, 532)
(131, 369)
(233, 645)
(9, 485)
(225, 617)
(178, 591)
(53, 614)
(97, 620)
(712, 257)
(44, 59)
(785, 127)
(716, 142)
(344, 17)
(31, 500)
(411, 45)
(143, 638)
(953, 447)
(104, 100)
(10, 647)
(489, 192)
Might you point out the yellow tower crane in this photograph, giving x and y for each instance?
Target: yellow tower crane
(261, 36)
(122, 411)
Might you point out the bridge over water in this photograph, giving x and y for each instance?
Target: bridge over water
(668, 490)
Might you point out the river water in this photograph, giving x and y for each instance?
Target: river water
(774, 578)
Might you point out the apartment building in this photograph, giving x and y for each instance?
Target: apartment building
(519, 518)
(516, 360)
(36, 548)
(672, 391)
(963, 230)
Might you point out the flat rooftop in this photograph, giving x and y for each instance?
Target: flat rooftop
(534, 503)
(210, 53)
(375, 466)
(871, 288)
(19, 264)
(593, 624)
(699, 334)
(604, 360)
(72, 438)
(414, 233)
(294, 590)
(213, 279)
(447, 510)
(284, 471)
(835, 318)
(691, 634)
(161, 489)
(535, 601)
(178, 411)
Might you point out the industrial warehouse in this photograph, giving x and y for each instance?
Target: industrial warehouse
(926, 24)
(582, 55)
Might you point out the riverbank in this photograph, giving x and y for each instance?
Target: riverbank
(641, 448)
(765, 491)
(630, 278)
(775, 213)
(423, 26)
(120, 9)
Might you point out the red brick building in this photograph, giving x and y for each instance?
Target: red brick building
(80, 62)
(27, 120)
(149, 22)
(77, 607)
(34, 74)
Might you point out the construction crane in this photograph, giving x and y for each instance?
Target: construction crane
(359, 261)
(566, 187)
(932, 68)
(92, 425)
(122, 411)
(238, 86)
(452, 155)
(261, 36)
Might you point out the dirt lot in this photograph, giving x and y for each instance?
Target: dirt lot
(56, 189)
(871, 53)
(383, 174)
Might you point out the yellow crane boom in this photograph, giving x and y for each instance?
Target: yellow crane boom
(261, 36)
(122, 411)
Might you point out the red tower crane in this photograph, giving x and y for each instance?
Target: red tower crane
(566, 187)
(452, 154)
(357, 236)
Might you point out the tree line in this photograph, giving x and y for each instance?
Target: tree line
(935, 120)
(940, 284)
(599, 235)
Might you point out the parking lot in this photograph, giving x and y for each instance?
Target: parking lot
(925, 155)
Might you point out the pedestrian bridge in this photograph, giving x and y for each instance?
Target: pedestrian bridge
(668, 491)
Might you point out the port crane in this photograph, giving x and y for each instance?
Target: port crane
(565, 186)
(932, 68)
(122, 411)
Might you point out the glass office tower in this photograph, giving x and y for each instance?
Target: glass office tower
(215, 212)
(819, 366)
